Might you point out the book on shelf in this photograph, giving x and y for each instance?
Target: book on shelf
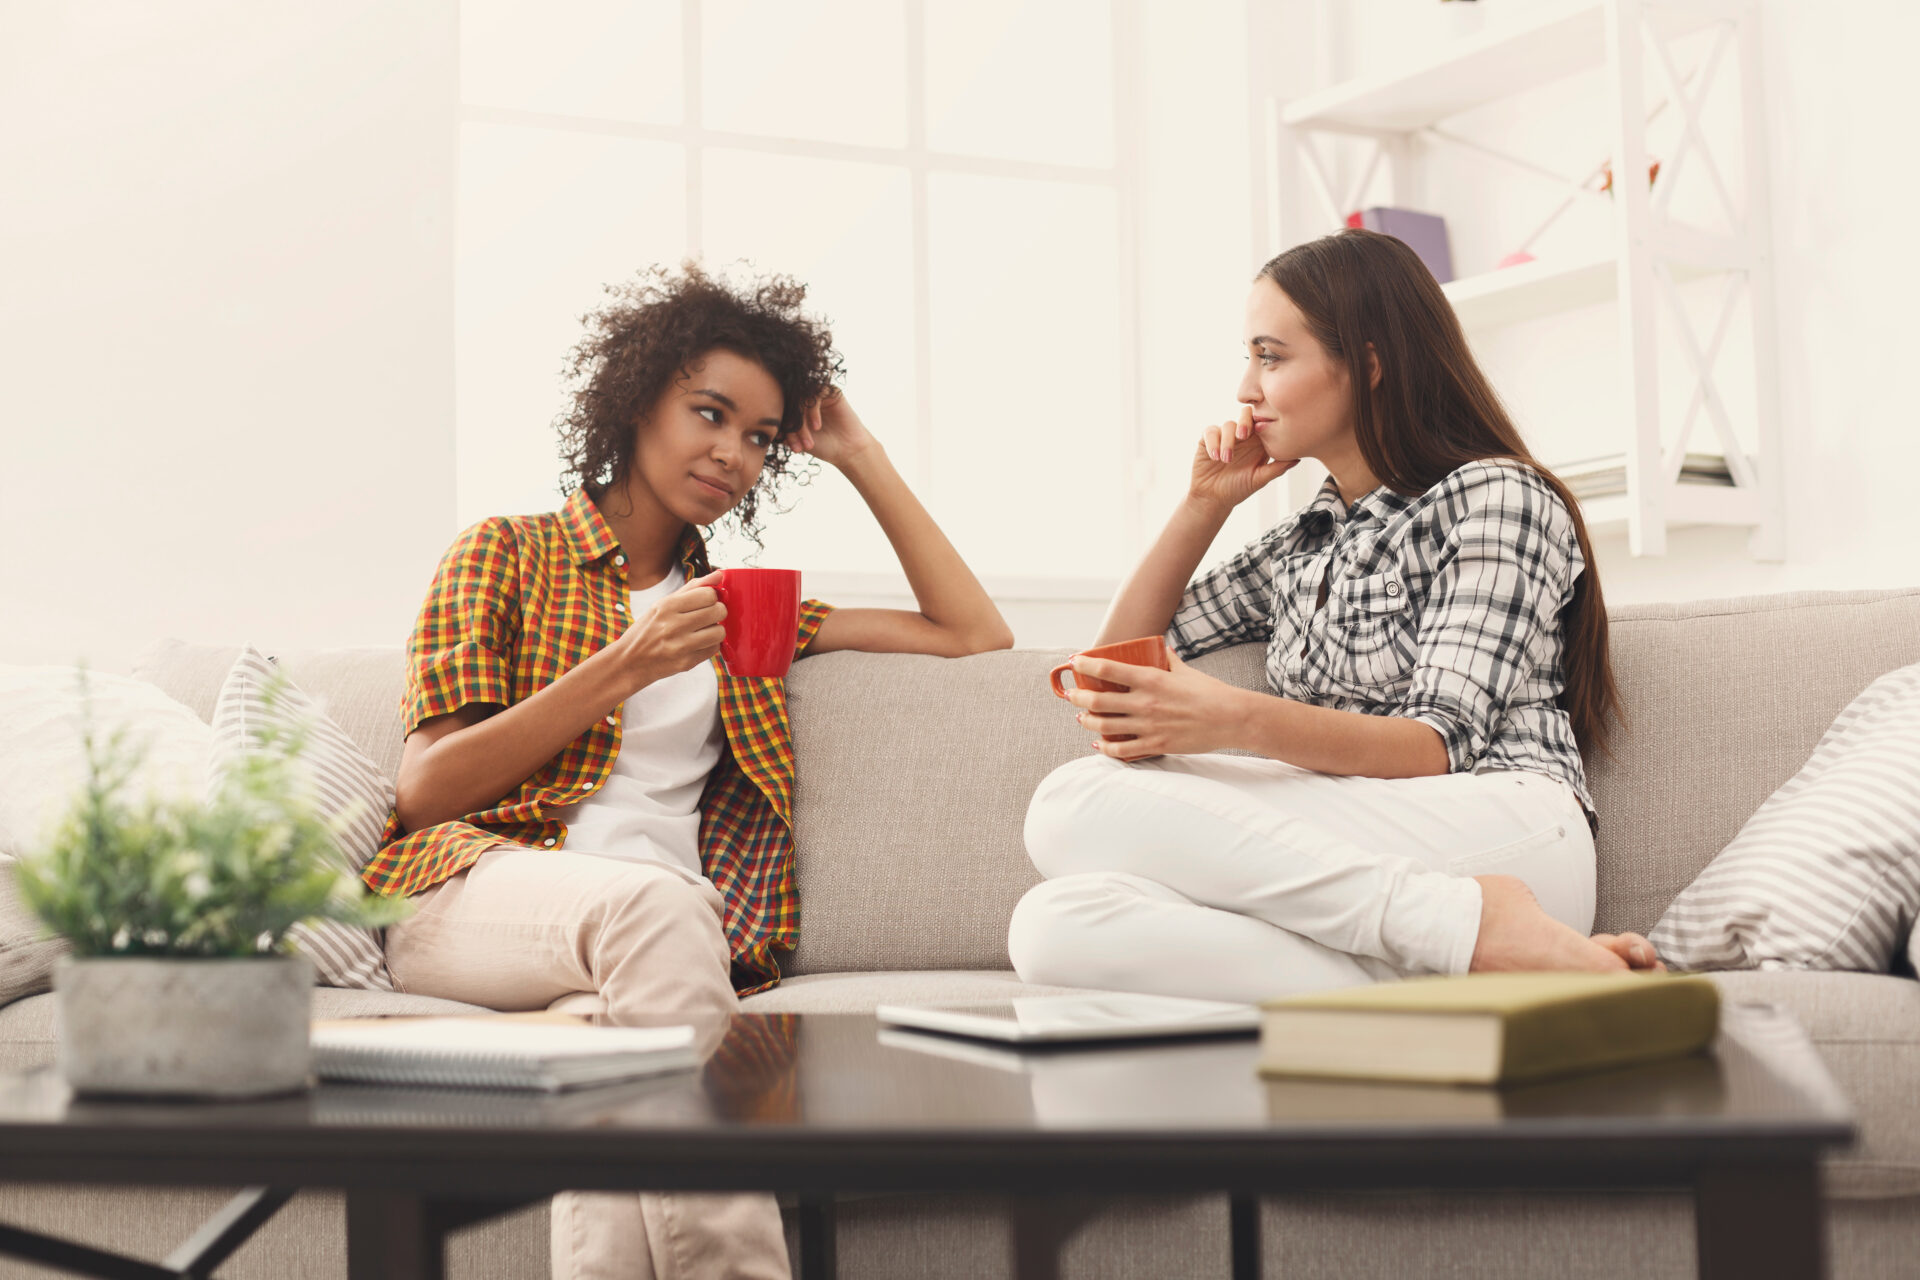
(1489, 1028)
(499, 1052)
(1424, 233)
(1606, 475)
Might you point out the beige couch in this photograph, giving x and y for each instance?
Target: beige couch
(914, 775)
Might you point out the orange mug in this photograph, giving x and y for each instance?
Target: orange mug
(1147, 651)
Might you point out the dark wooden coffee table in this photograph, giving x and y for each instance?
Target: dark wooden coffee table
(827, 1104)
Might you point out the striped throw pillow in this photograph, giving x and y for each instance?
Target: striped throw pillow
(348, 789)
(1826, 874)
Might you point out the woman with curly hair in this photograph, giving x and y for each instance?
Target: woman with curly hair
(588, 801)
(1409, 795)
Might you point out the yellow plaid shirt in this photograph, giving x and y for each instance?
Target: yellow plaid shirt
(518, 602)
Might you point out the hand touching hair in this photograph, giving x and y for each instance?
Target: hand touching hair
(651, 330)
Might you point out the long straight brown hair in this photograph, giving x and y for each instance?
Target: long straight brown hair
(1434, 412)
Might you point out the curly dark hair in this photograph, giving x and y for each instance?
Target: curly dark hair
(650, 332)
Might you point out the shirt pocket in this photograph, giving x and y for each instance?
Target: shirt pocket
(1370, 632)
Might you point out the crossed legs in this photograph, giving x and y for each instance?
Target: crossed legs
(1236, 878)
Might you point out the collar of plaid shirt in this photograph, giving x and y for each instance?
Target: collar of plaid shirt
(565, 560)
(1328, 510)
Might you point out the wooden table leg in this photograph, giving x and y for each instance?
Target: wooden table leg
(392, 1235)
(817, 1260)
(1760, 1220)
(1243, 1230)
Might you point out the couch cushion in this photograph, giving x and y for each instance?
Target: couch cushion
(26, 1028)
(861, 992)
(1826, 874)
(359, 689)
(913, 780)
(1724, 700)
(344, 787)
(43, 717)
(27, 955)
(1867, 1028)
(912, 784)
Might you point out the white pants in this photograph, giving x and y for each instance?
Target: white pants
(1232, 878)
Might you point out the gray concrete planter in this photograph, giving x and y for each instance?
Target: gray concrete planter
(184, 1028)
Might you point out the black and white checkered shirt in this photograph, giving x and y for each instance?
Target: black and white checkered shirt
(1443, 608)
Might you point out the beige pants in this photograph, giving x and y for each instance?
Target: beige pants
(523, 928)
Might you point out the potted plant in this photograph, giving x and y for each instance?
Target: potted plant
(181, 981)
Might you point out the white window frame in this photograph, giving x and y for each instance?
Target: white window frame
(1122, 177)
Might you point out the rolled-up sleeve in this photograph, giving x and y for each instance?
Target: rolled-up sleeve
(812, 614)
(1232, 603)
(462, 642)
(1505, 570)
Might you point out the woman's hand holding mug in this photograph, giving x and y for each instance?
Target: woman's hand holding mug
(1231, 464)
(678, 633)
(1175, 712)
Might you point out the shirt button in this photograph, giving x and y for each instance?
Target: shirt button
(619, 608)
(548, 842)
(620, 560)
(613, 719)
(1393, 588)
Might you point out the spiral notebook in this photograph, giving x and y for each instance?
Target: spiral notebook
(496, 1053)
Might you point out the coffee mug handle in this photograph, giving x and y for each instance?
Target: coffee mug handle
(1053, 678)
(719, 586)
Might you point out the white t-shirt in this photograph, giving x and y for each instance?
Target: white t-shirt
(670, 739)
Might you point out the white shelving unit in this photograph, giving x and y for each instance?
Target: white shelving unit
(1651, 253)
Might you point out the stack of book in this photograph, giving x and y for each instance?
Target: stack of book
(1606, 475)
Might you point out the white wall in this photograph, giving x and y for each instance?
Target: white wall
(226, 372)
(1196, 263)
(1840, 114)
(226, 352)
(571, 177)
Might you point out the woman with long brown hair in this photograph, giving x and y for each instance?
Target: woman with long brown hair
(1409, 797)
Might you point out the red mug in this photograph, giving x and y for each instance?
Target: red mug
(763, 620)
(1147, 651)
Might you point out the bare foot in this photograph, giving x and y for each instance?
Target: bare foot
(1516, 934)
(1633, 948)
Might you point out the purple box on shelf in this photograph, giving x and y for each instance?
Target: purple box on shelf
(1424, 233)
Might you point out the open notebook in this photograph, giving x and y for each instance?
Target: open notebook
(496, 1053)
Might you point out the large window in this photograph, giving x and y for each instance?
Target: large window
(964, 187)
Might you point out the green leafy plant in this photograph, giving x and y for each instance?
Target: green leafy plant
(121, 876)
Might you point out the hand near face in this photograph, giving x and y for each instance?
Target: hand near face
(831, 431)
(1170, 713)
(1231, 465)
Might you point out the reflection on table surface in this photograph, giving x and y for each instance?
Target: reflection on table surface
(844, 1072)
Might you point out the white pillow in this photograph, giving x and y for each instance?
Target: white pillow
(1826, 874)
(347, 789)
(41, 765)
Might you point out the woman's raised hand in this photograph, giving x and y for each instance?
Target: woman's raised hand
(1231, 465)
(678, 633)
(831, 431)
